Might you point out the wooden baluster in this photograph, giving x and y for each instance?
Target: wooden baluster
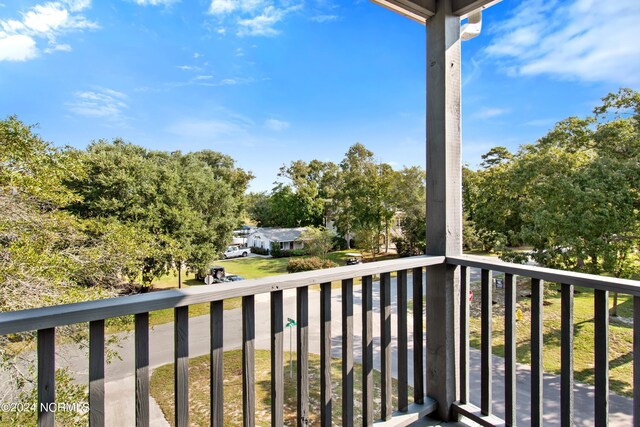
(464, 333)
(537, 292)
(418, 345)
(636, 362)
(385, 344)
(566, 356)
(347, 352)
(46, 376)
(601, 357)
(181, 365)
(96, 373)
(326, 402)
(142, 369)
(277, 360)
(217, 367)
(302, 349)
(510, 286)
(248, 362)
(486, 337)
(367, 350)
(403, 382)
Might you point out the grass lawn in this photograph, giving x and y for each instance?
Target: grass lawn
(249, 268)
(620, 334)
(255, 268)
(199, 409)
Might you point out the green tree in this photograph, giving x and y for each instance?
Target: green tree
(408, 193)
(318, 241)
(573, 196)
(189, 203)
(362, 204)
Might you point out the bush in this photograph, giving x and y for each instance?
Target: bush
(406, 248)
(260, 251)
(307, 264)
(276, 252)
(339, 243)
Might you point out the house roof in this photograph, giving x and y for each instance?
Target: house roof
(281, 234)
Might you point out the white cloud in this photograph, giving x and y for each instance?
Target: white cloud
(189, 68)
(263, 24)
(59, 48)
(222, 7)
(584, 40)
(234, 81)
(276, 125)
(219, 7)
(203, 77)
(155, 2)
(17, 48)
(253, 17)
(325, 18)
(488, 112)
(102, 103)
(48, 21)
(77, 5)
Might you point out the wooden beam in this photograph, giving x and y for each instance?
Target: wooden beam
(465, 7)
(444, 205)
(419, 11)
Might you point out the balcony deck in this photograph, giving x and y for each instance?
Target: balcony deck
(359, 312)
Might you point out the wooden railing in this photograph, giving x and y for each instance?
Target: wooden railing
(46, 320)
(567, 280)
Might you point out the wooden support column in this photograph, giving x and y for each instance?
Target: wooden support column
(444, 205)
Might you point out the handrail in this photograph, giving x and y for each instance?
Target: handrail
(66, 314)
(538, 275)
(626, 286)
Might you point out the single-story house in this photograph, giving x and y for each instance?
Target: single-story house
(287, 238)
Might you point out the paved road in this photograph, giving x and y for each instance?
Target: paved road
(120, 385)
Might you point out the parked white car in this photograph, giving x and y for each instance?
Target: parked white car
(236, 251)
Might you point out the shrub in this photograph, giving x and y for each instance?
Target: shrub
(276, 252)
(260, 251)
(339, 243)
(307, 264)
(405, 248)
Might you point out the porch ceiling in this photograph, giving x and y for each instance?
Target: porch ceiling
(422, 10)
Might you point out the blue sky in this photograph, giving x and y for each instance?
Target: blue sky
(270, 81)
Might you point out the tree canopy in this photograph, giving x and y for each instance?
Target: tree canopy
(81, 224)
(573, 196)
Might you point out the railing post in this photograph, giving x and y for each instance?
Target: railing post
(46, 377)
(326, 402)
(96, 373)
(302, 351)
(142, 369)
(444, 205)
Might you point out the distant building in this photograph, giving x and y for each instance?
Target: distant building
(286, 238)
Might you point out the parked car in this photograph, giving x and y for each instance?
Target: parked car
(233, 278)
(353, 258)
(236, 251)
